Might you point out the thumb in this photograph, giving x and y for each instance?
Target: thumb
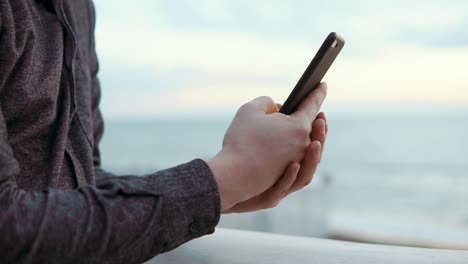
(310, 106)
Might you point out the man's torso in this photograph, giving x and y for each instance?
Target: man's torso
(46, 90)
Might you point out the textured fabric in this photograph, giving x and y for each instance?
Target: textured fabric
(56, 204)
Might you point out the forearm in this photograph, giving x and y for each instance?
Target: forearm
(121, 220)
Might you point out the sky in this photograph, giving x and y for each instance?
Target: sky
(208, 57)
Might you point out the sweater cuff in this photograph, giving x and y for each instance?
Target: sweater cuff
(191, 200)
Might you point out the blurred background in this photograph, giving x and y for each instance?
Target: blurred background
(395, 168)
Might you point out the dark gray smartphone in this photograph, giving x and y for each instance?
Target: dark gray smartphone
(314, 73)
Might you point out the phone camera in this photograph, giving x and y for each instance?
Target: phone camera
(335, 44)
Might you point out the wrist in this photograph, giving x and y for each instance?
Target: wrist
(226, 169)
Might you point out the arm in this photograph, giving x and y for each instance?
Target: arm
(123, 220)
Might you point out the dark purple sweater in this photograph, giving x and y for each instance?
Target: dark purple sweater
(56, 204)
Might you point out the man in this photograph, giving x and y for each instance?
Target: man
(58, 206)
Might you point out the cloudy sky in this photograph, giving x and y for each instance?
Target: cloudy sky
(207, 57)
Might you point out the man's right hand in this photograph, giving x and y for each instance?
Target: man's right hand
(259, 145)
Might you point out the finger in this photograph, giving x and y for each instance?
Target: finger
(262, 103)
(322, 116)
(310, 107)
(281, 187)
(318, 132)
(308, 167)
(272, 196)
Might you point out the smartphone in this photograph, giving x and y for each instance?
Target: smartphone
(314, 73)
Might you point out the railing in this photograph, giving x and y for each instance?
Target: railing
(228, 246)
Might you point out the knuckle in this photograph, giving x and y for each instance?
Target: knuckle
(245, 105)
(266, 99)
(302, 132)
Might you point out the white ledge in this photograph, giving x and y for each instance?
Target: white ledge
(228, 246)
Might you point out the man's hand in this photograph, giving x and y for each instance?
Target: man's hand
(262, 145)
(296, 176)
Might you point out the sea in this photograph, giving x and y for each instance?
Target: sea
(382, 175)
